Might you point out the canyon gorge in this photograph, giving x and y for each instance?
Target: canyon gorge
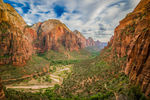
(26, 50)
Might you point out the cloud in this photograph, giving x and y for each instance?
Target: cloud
(94, 18)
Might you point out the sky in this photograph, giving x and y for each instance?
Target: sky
(93, 18)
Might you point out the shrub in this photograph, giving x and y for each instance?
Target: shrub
(135, 93)
(48, 79)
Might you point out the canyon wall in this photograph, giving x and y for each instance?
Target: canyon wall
(89, 42)
(53, 35)
(81, 39)
(132, 41)
(15, 43)
(20, 41)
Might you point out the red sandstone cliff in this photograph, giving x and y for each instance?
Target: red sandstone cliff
(88, 42)
(81, 39)
(132, 40)
(52, 35)
(19, 41)
(15, 37)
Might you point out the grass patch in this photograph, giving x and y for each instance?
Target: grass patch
(63, 55)
(63, 62)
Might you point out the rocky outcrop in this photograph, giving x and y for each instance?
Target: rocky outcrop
(132, 41)
(90, 42)
(16, 44)
(81, 39)
(54, 35)
(2, 95)
(100, 45)
(109, 44)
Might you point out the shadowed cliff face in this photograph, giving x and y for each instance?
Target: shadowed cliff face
(15, 37)
(132, 40)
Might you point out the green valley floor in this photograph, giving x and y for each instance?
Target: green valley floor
(98, 78)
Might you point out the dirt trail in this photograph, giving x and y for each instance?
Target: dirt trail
(64, 69)
(54, 76)
(30, 87)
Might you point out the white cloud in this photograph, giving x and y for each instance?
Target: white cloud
(94, 18)
(19, 10)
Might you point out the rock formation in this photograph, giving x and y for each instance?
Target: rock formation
(100, 45)
(19, 41)
(90, 42)
(81, 38)
(132, 40)
(16, 45)
(52, 35)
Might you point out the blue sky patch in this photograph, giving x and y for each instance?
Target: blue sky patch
(26, 8)
(117, 3)
(67, 18)
(75, 11)
(46, 12)
(37, 3)
(14, 4)
(37, 15)
(59, 10)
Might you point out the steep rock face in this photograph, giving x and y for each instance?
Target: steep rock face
(81, 39)
(2, 95)
(52, 35)
(110, 42)
(9, 14)
(90, 42)
(16, 44)
(132, 40)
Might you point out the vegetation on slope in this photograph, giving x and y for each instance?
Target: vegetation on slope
(66, 55)
(34, 67)
(40, 64)
(100, 79)
(95, 79)
(95, 76)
